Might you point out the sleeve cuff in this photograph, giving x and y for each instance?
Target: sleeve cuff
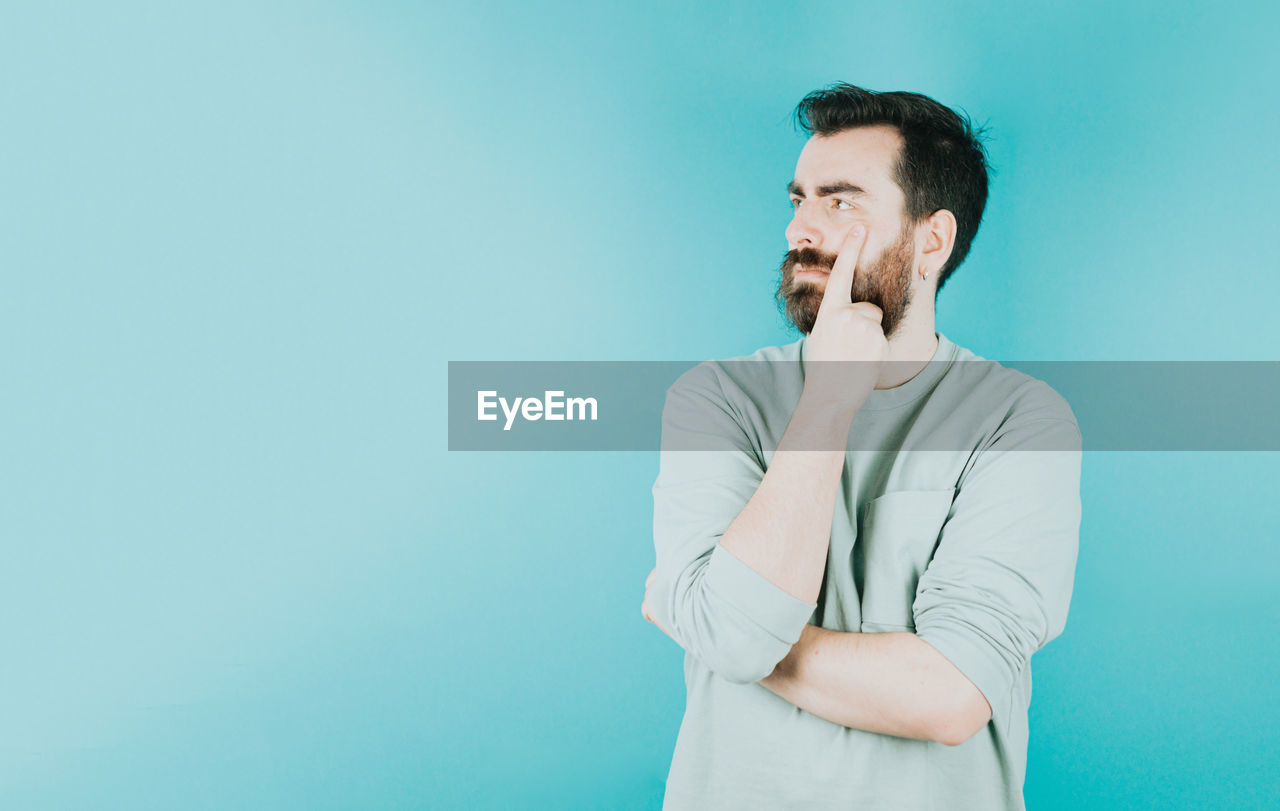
(755, 596)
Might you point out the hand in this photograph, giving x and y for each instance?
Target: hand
(644, 606)
(847, 332)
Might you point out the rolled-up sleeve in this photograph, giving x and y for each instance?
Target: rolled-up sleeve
(1000, 582)
(715, 606)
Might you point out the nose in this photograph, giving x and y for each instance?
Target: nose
(803, 231)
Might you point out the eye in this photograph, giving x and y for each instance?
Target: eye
(847, 205)
(795, 201)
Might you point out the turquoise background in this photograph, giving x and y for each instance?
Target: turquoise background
(240, 241)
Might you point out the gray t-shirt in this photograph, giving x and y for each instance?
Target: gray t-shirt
(957, 518)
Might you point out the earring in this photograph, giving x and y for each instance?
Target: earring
(925, 276)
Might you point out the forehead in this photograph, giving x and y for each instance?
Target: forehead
(864, 156)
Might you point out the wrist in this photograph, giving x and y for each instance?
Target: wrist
(818, 409)
(819, 424)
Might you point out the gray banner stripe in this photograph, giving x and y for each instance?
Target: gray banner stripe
(1119, 405)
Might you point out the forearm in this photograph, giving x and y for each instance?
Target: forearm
(784, 529)
(890, 683)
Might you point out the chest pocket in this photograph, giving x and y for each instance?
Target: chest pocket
(897, 535)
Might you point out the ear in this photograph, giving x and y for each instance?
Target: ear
(938, 234)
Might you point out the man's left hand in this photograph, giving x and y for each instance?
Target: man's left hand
(644, 605)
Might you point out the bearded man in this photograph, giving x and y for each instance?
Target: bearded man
(887, 525)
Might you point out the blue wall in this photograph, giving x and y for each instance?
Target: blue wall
(240, 241)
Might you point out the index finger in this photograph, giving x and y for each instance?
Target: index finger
(841, 278)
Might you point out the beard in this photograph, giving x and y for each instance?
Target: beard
(885, 283)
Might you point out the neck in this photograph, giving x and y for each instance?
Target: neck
(910, 350)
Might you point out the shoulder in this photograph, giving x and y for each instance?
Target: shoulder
(761, 371)
(1018, 405)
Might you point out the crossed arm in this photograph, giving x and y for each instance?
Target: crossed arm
(891, 683)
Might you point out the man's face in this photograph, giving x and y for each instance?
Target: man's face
(841, 180)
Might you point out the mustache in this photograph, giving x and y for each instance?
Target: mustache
(809, 258)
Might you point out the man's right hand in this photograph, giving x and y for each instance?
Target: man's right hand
(848, 333)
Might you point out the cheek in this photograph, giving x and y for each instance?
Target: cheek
(882, 236)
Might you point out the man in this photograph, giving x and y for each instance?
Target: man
(863, 536)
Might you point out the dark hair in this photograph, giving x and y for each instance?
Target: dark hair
(943, 162)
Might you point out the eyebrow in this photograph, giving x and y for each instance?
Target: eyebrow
(836, 187)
